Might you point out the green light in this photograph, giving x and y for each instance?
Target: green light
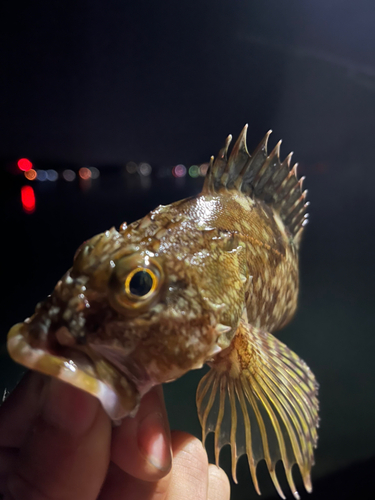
(194, 171)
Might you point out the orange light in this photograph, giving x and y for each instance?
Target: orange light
(203, 169)
(24, 164)
(30, 174)
(84, 173)
(28, 199)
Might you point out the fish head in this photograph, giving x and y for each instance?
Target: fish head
(121, 320)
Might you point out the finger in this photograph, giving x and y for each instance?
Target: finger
(188, 478)
(19, 410)
(218, 484)
(66, 455)
(119, 484)
(190, 469)
(141, 445)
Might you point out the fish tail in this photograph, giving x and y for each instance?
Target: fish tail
(261, 398)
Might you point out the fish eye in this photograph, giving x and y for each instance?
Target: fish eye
(135, 283)
(141, 282)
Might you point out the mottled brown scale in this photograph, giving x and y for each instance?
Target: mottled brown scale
(203, 280)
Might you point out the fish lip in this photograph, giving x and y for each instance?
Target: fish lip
(118, 396)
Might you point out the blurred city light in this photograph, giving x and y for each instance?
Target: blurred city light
(24, 164)
(41, 175)
(95, 173)
(194, 171)
(203, 169)
(131, 167)
(30, 174)
(28, 199)
(69, 175)
(52, 175)
(145, 169)
(84, 173)
(179, 171)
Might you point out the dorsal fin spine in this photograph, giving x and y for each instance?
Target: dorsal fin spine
(261, 151)
(265, 165)
(238, 158)
(260, 176)
(299, 218)
(289, 182)
(220, 163)
(270, 166)
(286, 179)
(296, 207)
(290, 199)
(274, 182)
(210, 177)
(253, 165)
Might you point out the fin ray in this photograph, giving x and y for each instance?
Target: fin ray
(260, 384)
(275, 399)
(291, 406)
(219, 420)
(267, 455)
(233, 428)
(209, 403)
(250, 457)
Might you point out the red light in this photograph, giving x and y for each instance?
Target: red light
(24, 164)
(84, 173)
(28, 199)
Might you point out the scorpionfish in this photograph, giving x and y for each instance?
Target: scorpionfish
(204, 280)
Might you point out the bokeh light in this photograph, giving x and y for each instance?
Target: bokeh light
(145, 169)
(28, 199)
(41, 175)
(203, 169)
(131, 167)
(69, 175)
(24, 164)
(52, 175)
(194, 171)
(179, 170)
(30, 174)
(95, 173)
(84, 173)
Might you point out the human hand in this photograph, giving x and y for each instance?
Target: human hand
(57, 443)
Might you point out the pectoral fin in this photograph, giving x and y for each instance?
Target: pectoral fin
(261, 398)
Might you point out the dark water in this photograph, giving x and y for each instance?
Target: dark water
(166, 85)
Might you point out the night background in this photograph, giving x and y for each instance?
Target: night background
(143, 93)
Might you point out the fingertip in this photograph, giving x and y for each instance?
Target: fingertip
(192, 446)
(153, 442)
(141, 445)
(218, 484)
(189, 477)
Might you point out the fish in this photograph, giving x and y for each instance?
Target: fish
(205, 280)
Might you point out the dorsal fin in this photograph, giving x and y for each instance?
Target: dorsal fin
(260, 176)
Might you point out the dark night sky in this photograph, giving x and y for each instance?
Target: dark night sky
(101, 83)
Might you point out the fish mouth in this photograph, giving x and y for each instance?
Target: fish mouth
(71, 364)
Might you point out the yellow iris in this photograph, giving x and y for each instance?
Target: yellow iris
(140, 283)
